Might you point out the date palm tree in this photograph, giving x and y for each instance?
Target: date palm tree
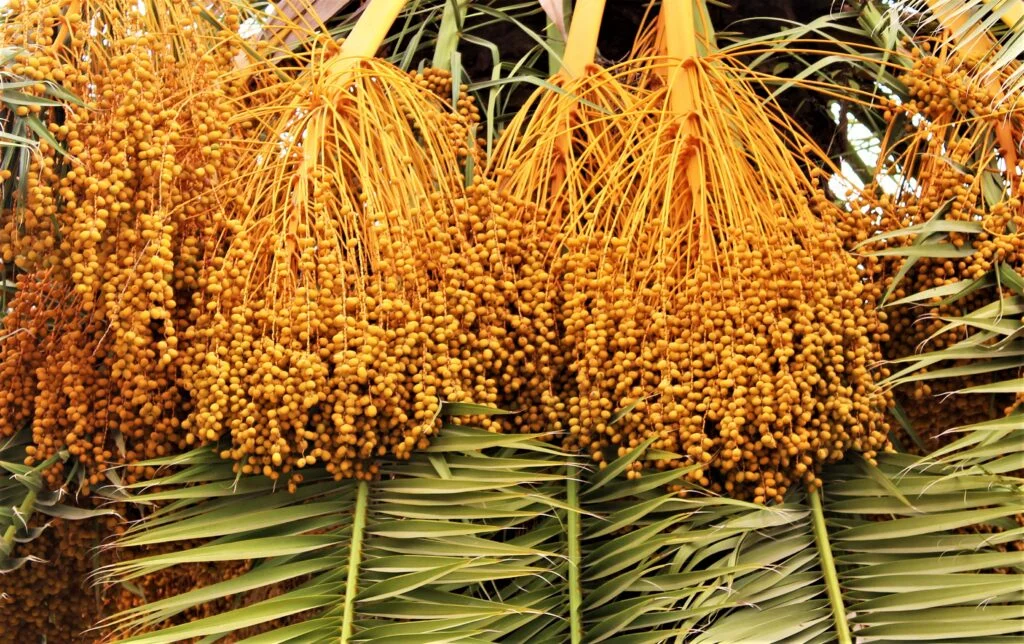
(505, 537)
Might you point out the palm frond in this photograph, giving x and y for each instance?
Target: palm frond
(23, 494)
(991, 346)
(436, 540)
(485, 537)
(915, 543)
(493, 538)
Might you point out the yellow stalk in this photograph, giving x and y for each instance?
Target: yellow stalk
(681, 46)
(74, 7)
(684, 95)
(362, 43)
(580, 50)
(368, 34)
(581, 46)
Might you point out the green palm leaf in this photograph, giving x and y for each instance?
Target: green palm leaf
(23, 494)
(517, 543)
(443, 540)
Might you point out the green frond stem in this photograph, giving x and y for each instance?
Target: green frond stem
(706, 30)
(556, 47)
(581, 46)
(448, 33)
(355, 555)
(370, 31)
(828, 568)
(24, 511)
(574, 535)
